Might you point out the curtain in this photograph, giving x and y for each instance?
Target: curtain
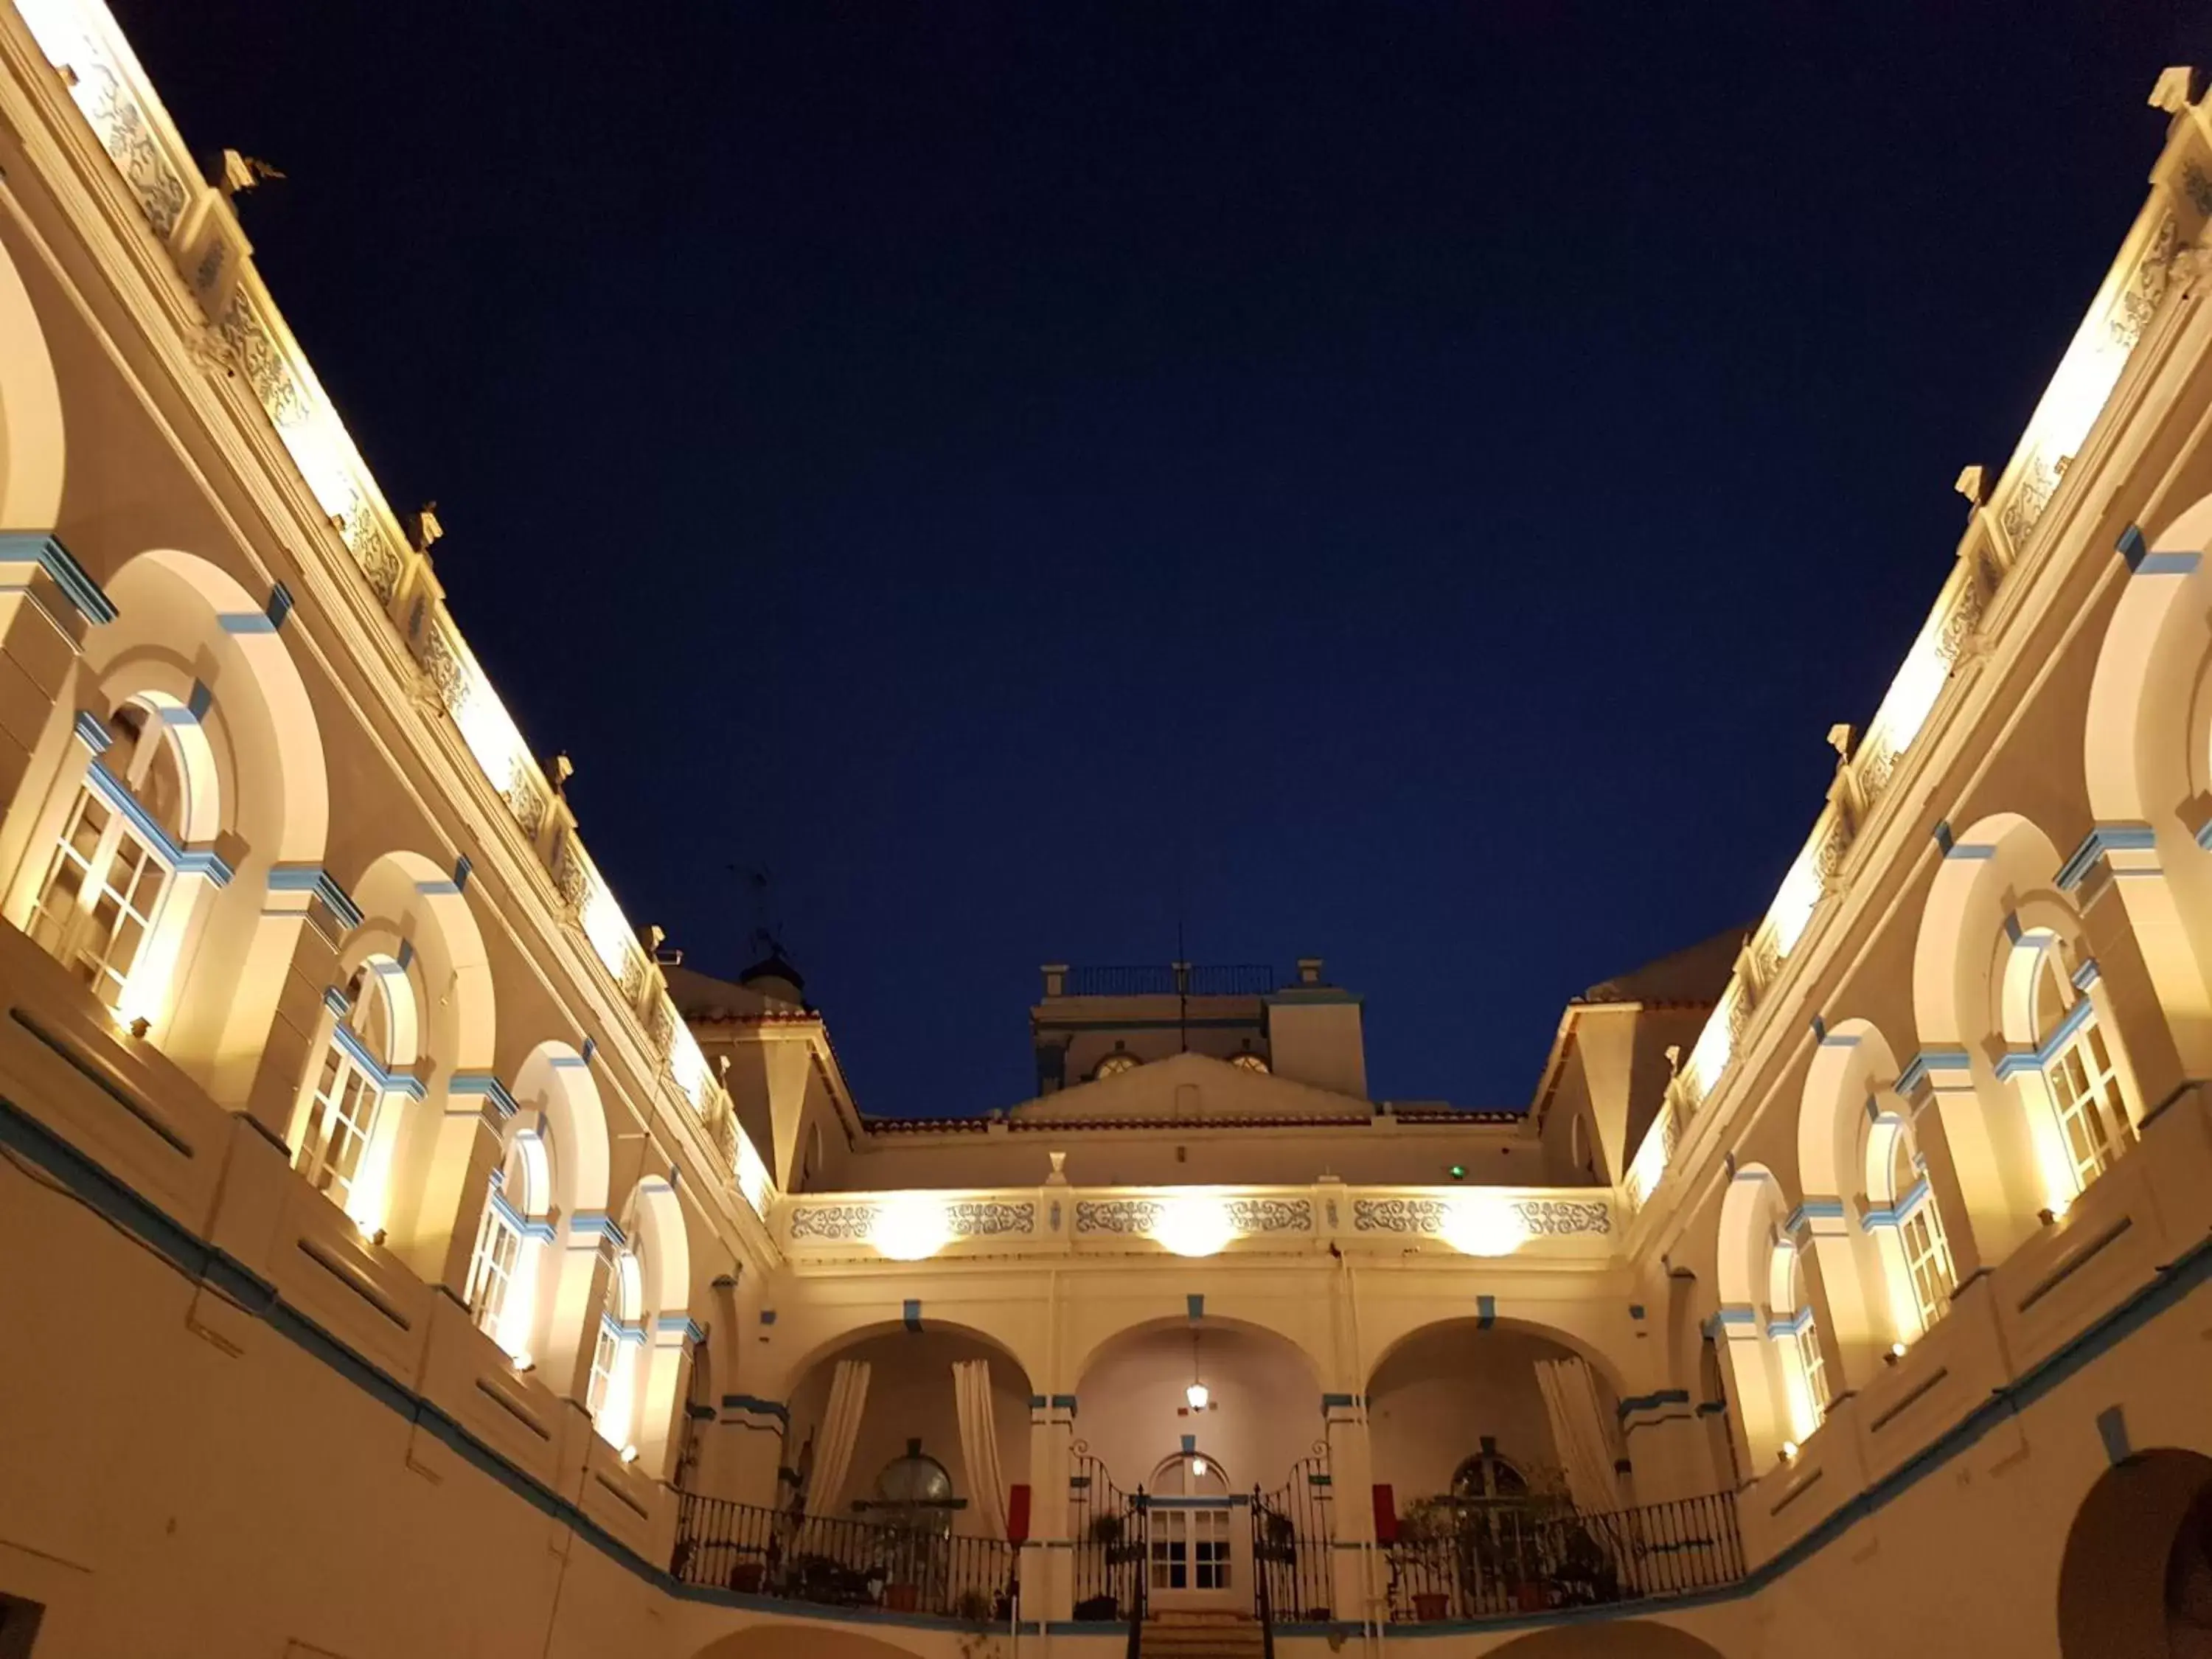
(841, 1433)
(1580, 1432)
(979, 1444)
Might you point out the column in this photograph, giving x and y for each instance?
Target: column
(1358, 1575)
(1048, 1561)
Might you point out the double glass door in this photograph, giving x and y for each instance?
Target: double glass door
(1194, 1553)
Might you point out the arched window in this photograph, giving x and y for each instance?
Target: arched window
(1805, 1368)
(1114, 1064)
(370, 1033)
(503, 1283)
(1917, 1253)
(611, 1397)
(2078, 1072)
(1189, 1475)
(119, 844)
(1488, 1478)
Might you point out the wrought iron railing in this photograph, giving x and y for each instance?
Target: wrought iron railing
(1107, 1529)
(1504, 1558)
(840, 1563)
(1290, 1533)
(1167, 980)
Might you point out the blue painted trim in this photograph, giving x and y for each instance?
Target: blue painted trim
(1038, 1402)
(461, 869)
(1485, 1312)
(394, 1083)
(2112, 1430)
(2016, 1060)
(1929, 1061)
(1194, 1307)
(440, 888)
(1899, 1213)
(756, 1406)
(1792, 1326)
(335, 1001)
(1064, 1402)
(2086, 974)
(1645, 1402)
(92, 732)
(314, 879)
(280, 605)
(1736, 1313)
(485, 1084)
(2204, 836)
(117, 793)
(1338, 1402)
(238, 624)
(911, 1313)
(197, 702)
(2131, 546)
(2167, 564)
(2104, 839)
(1942, 832)
(1190, 1445)
(591, 1047)
(1970, 851)
(542, 1230)
(1813, 1209)
(45, 550)
(595, 1224)
(681, 1325)
(1636, 1310)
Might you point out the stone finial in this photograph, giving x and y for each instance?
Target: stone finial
(1973, 483)
(1842, 738)
(558, 771)
(1674, 1059)
(650, 936)
(426, 529)
(2170, 92)
(235, 174)
(1059, 1176)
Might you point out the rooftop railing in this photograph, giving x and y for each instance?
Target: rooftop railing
(1170, 979)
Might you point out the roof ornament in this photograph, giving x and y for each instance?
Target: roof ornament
(236, 173)
(2171, 91)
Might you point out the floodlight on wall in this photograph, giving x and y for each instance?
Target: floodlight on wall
(1198, 1468)
(910, 1227)
(1194, 1226)
(630, 1453)
(524, 1362)
(1482, 1226)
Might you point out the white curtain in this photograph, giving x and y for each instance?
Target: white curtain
(979, 1444)
(1580, 1432)
(841, 1433)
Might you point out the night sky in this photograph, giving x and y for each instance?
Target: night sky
(1405, 483)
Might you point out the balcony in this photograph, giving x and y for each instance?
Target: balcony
(915, 1566)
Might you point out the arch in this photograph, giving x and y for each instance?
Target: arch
(1755, 1273)
(1995, 918)
(2148, 762)
(1599, 1361)
(1850, 1122)
(2136, 1579)
(1211, 1321)
(33, 442)
(664, 1248)
(1629, 1638)
(198, 656)
(415, 910)
(1260, 1412)
(912, 1408)
(852, 1336)
(554, 1084)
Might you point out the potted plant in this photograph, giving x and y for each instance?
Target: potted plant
(1426, 1533)
(746, 1577)
(901, 1597)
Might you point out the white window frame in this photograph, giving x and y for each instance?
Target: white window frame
(346, 1100)
(493, 1267)
(126, 844)
(2084, 1085)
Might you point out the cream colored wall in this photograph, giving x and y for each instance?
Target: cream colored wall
(1264, 1414)
(1432, 1402)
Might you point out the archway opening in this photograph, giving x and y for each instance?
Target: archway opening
(2136, 1581)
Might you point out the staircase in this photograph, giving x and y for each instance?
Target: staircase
(1202, 1636)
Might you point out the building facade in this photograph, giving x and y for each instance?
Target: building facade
(403, 1257)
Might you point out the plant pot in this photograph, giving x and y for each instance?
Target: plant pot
(902, 1598)
(1531, 1597)
(745, 1578)
(1431, 1605)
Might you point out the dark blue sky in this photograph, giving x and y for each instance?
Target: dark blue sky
(1420, 479)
